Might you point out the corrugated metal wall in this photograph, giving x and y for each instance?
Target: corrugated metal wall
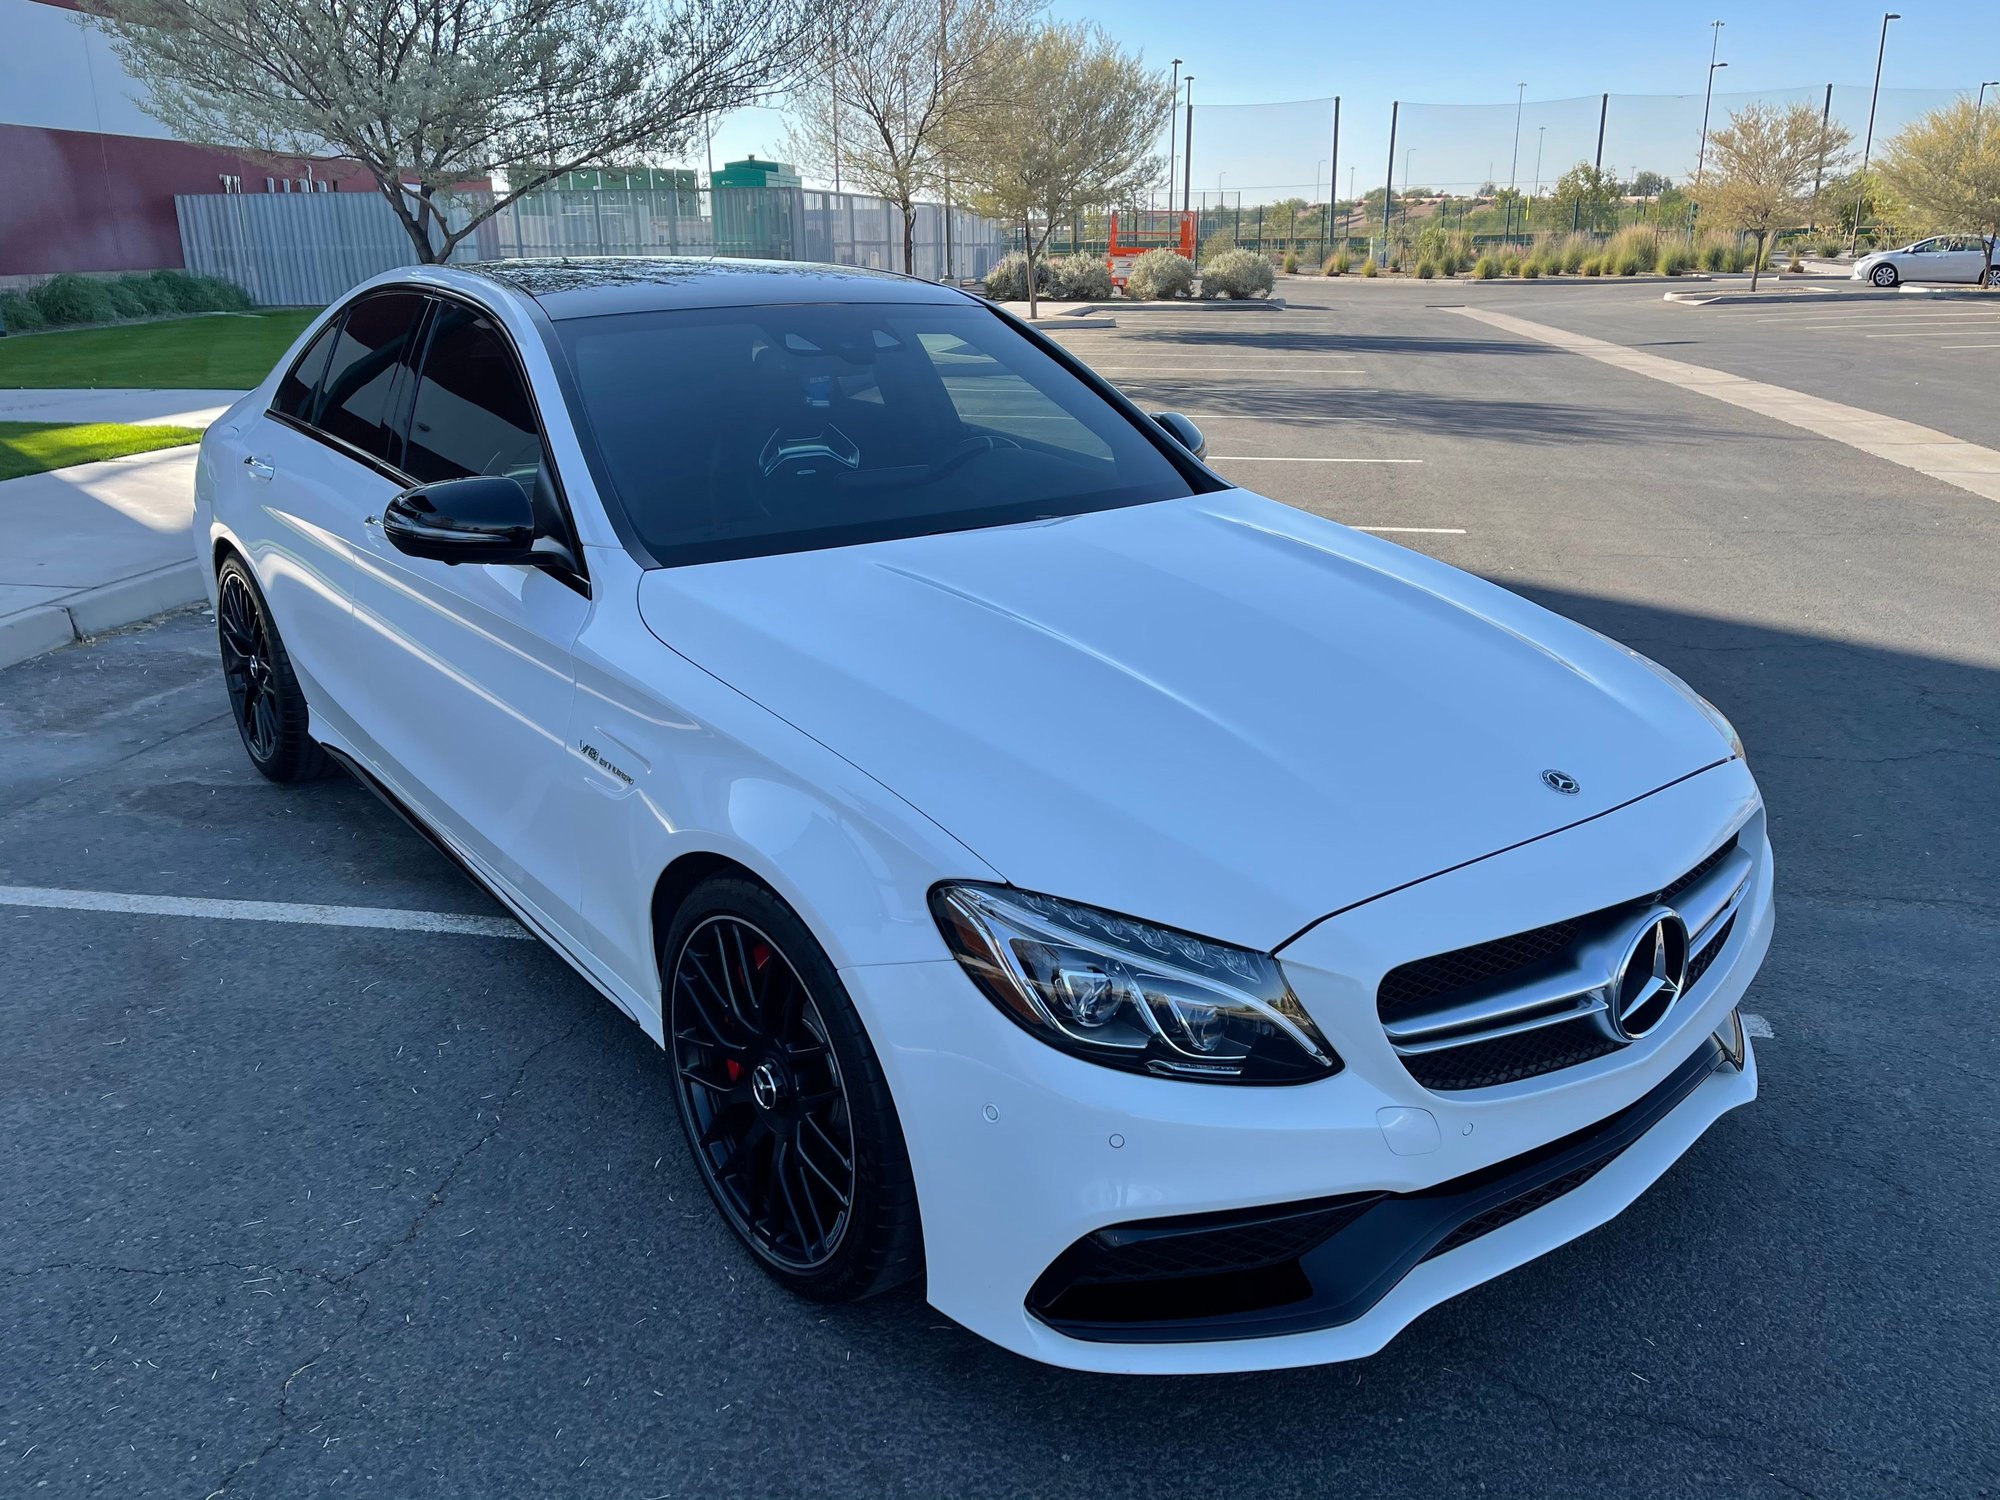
(305, 249)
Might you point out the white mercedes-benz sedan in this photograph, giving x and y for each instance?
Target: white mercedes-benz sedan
(1189, 934)
(1947, 257)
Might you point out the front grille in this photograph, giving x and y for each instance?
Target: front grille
(1424, 1003)
(1407, 988)
(1509, 1059)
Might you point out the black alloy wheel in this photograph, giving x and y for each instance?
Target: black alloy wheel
(264, 695)
(786, 1111)
(764, 1094)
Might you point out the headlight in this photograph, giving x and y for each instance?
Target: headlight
(1130, 995)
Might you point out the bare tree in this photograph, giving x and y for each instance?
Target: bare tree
(902, 79)
(1765, 162)
(1076, 127)
(427, 94)
(1944, 171)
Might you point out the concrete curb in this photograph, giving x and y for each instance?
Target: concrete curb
(49, 627)
(1827, 296)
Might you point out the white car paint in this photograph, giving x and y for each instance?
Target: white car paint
(1960, 258)
(1215, 713)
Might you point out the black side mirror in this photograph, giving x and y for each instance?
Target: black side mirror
(1184, 432)
(483, 519)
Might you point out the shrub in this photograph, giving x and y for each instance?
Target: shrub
(1627, 263)
(20, 312)
(1079, 278)
(156, 296)
(1336, 264)
(1592, 265)
(1486, 268)
(1291, 262)
(1675, 260)
(1426, 271)
(214, 294)
(1575, 249)
(1642, 242)
(1160, 274)
(1714, 256)
(70, 298)
(1008, 280)
(176, 291)
(1237, 274)
(1530, 269)
(1218, 241)
(1510, 264)
(1369, 268)
(124, 298)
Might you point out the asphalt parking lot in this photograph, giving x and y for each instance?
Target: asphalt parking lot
(301, 1209)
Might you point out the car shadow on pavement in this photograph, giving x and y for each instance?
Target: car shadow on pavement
(291, 1208)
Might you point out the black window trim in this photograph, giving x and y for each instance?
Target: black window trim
(402, 402)
(1201, 479)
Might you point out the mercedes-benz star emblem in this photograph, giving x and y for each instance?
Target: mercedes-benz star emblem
(1560, 781)
(1649, 978)
(764, 1086)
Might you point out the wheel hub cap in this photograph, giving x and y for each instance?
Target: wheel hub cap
(766, 1087)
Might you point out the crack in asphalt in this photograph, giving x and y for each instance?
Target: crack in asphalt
(383, 1252)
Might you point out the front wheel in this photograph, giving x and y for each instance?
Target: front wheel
(783, 1101)
(264, 694)
(1884, 276)
(1993, 275)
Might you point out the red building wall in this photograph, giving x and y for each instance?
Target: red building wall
(75, 201)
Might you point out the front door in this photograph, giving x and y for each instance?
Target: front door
(467, 702)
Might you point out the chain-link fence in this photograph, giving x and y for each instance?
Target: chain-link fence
(1311, 176)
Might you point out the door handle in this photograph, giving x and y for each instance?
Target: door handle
(259, 469)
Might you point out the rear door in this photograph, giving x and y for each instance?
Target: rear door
(468, 667)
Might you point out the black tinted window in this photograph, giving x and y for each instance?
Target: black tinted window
(297, 390)
(354, 402)
(728, 432)
(472, 414)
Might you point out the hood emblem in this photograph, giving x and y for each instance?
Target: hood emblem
(1560, 781)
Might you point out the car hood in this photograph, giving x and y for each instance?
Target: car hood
(1217, 713)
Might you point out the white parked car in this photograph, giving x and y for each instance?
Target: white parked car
(1190, 934)
(1945, 257)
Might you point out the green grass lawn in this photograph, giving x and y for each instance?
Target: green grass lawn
(35, 447)
(218, 351)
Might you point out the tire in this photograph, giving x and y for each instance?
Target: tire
(1993, 275)
(1884, 276)
(782, 1099)
(264, 695)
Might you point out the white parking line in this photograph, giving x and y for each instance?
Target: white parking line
(1237, 416)
(1265, 458)
(1953, 461)
(1757, 1026)
(49, 898)
(1414, 530)
(1169, 372)
(1969, 346)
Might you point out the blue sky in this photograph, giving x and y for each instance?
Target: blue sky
(1455, 54)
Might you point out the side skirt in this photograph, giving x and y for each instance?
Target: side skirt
(438, 841)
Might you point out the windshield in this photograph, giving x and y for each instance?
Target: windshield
(739, 431)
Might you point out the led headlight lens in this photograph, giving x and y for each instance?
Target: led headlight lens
(1130, 995)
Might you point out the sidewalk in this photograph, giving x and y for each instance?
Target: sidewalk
(97, 546)
(136, 408)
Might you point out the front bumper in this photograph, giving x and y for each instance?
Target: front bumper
(1021, 1152)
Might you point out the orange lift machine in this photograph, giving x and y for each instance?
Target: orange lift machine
(1154, 230)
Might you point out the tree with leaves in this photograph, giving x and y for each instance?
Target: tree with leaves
(428, 94)
(1584, 198)
(900, 81)
(1765, 161)
(1944, 170)
(1076, 127)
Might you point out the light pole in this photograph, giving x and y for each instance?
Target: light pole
(1861, 193)
(1187, 151)
(1513, 167)
(1979, 109)
(1715, 44)
(1541, 139)
(1173, 96)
